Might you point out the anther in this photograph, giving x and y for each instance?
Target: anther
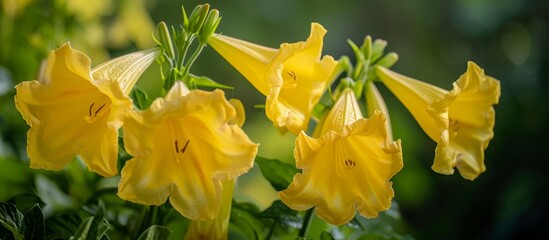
(185, 147)
(99, 109)
(90, 110)
(176, 147)
(350, 163)
(293, 75)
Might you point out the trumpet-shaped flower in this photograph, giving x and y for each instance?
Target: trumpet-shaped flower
(292, 77)
(183, 147)
(348, 168)
(461, 121)
(74, 110)
(218, 228)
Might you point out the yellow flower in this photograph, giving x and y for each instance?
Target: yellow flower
(461, 121)
(72, 113)
(218, 228)
(292, 77)
(184, 146)
(348, 168)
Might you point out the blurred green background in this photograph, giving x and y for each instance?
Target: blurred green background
(434, 39)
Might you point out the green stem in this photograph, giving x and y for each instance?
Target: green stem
(184, 49)
(307, 220)
(192, 59)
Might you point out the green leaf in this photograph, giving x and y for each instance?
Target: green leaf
(244, 223)
(140, 98)
(94, 227)
(90, 230)
(11, 219)
(279, 174)
(381, 227)
(26, 201)
(283, 214)
(33, 224)
(155, 232)
(62, 226)
(202, 81)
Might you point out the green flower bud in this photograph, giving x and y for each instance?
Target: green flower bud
(196, 20)
(378, 48)
(165, 39)
(210, 25)
(185, 18)
(388, 60)
(367, 47)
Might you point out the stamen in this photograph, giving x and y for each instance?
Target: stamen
(293, 75)
(90, 110)
(350, 163)
(99, 109)
(176, 147)
(185, 147)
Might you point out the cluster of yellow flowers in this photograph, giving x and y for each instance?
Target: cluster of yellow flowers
(348, 167)
(189, 146)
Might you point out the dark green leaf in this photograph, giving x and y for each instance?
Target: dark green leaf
(26, 201)
(283, 214)
(155, 232)
(62, 226)
(244, 223)
(381, 227)
(140, 98)
(11, 219)
(201, 81)
(94, 227)
(33, 224)
(5, 234)
(279, 174)
(88, 230)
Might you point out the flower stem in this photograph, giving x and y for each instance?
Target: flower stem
(307, 220)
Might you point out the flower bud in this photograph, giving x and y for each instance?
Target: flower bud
(378, 48)
(210, 25)
(196, 20)
(165, 39)
(388, 60)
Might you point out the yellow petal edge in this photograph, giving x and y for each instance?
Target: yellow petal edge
(70, 113)
(346, 169)
(293, 77)
(183, 147)
(461, 121)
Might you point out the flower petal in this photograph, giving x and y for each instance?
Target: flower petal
(126, 69)
(461, 121)
(471, 119)
(185, 146)
(71, 114)
(342, 172)
(293, 78)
